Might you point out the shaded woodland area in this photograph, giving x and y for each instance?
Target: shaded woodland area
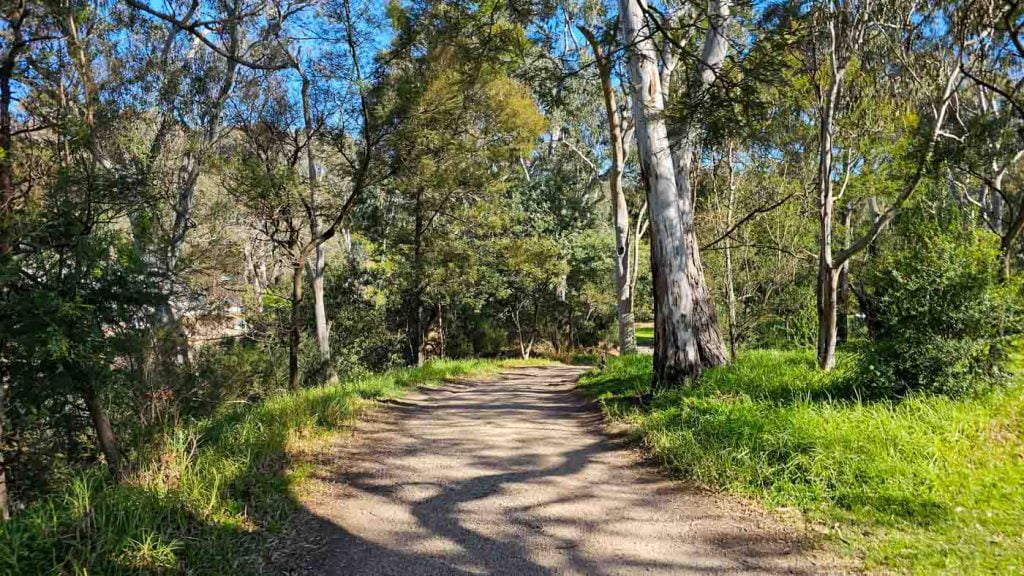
(218, 211)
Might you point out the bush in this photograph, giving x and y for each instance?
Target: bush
(236, 369)
(938, 313)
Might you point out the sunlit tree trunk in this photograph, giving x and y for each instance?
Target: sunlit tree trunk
(828, 277)
(710, 343)
(620, 211)
(845, 26)
(675, 354)
(323, 335)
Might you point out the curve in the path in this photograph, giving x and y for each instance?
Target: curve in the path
(515, 476)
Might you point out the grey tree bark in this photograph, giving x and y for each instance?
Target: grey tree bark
(845, 27)
(676, 358)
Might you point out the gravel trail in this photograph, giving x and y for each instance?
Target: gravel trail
(516, 475)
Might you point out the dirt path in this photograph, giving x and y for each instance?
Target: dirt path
(515, 476)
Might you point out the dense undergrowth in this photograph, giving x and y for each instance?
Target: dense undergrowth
(208, 497)
(927, 484)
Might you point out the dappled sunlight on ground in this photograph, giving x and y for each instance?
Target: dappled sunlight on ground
(514, 476)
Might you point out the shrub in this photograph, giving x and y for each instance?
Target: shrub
(938, 313)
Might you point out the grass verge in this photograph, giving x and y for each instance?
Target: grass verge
(927, 485)
(208, 499)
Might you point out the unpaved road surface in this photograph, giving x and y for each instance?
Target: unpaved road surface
(516, 476)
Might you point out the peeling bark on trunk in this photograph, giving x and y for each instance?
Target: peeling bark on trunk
(675, 354)
(710, 343)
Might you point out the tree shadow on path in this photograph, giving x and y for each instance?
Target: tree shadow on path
(515, 477)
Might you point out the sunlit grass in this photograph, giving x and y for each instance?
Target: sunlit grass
(205, 501)
(925, 485)
(645, 335)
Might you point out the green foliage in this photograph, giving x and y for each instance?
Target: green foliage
(208, 499)
(927, 485)
(939, 315)
(235, 369)
(356, 298)
(72, 322)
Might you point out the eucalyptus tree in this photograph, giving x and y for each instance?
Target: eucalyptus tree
(844, 36)
(617, 140)
(988, 153)
(990, 35)
(676, 357)
(270, 39)
(194, 88)
(695, 93)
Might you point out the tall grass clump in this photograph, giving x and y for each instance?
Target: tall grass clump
(926, 484)
(207, 497)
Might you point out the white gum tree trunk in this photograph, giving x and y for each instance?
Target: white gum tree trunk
(676, 357)
(710, 343)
